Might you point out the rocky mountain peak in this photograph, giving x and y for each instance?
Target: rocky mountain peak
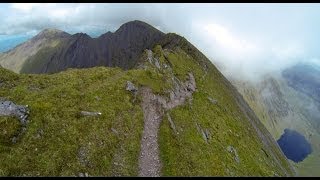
(51, 33)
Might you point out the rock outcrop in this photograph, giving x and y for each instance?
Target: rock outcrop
(8, 108)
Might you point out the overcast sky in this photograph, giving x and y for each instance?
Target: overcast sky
(246, 39)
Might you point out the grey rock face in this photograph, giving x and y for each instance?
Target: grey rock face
(8, 108)
(153, 60)
(181, 92)
(156, 63)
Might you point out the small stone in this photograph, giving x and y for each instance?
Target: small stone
(213, 101)
(114, 130)
(14, 140)
(86, 113)
(130, 87)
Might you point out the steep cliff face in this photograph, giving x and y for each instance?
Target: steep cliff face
(169, 113)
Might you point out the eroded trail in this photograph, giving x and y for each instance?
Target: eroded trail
(154, 107)
(149, 163)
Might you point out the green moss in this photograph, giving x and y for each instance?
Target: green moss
(10, 126)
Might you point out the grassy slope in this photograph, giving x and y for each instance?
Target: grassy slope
(187, 153)
(56, 100)
(55, 103)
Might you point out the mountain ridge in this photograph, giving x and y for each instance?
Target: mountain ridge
(204, 126)
(110, 49)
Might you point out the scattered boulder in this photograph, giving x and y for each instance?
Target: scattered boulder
(232, 150)
(40, 133)
(130, 87)
(213, 101)
(205, 133)
(82, 156)
(86, 113)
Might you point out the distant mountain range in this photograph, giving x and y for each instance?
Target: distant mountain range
(54, 50)
(9, 42)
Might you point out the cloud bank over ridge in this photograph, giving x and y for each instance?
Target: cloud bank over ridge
(244, 40)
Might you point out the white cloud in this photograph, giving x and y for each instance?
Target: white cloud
(241, 56)
(58, 13)
(227, 40)
(246, 39)
(24, 6)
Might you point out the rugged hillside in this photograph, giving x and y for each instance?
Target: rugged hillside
(304, 78)
(172, 114)
(120, 49)
(15, 58)
(280, 106)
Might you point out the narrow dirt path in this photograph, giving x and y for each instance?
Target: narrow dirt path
(154, 107)
(149, 162)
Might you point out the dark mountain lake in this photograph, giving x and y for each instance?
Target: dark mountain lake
(294, 145)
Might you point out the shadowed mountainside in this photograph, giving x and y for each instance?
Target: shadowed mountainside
(120, 49)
